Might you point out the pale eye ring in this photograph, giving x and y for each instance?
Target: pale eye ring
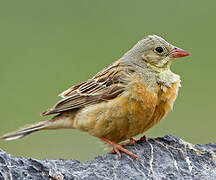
(159, 49)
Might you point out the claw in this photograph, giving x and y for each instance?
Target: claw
(132, 141)
(118, 147)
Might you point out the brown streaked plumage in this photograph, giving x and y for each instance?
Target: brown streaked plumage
(104, 86)
(124, 100)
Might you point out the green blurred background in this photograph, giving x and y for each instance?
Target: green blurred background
(46, 46)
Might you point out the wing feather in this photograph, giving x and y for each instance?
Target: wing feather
(106, 85)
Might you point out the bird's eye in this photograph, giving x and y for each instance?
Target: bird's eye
(159, 49)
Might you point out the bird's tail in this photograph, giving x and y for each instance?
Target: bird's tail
(57, 122)
(24, 131)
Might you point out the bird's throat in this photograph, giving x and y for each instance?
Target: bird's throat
(159, 68)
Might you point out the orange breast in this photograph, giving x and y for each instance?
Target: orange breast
(164, 104)
(139, 111)
(141, 106)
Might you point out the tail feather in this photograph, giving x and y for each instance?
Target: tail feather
(56, 122)
(24, 131)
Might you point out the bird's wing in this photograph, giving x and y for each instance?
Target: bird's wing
(106, 85)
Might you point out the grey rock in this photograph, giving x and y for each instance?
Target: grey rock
(165, 158)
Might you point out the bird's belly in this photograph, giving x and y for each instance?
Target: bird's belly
(118, 119)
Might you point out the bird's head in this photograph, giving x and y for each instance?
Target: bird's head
(155, 52)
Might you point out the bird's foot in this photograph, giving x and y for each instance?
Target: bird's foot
(131, 141)
(118, 147)
(134, 141)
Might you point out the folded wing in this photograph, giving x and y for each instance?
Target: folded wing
(106, 85)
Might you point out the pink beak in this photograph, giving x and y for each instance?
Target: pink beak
(178, 53)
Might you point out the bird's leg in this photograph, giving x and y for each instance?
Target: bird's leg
(117, 148)
(133, 141)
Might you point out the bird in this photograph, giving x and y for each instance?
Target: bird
(123, 100)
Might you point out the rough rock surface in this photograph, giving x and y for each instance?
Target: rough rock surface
(165, 158)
